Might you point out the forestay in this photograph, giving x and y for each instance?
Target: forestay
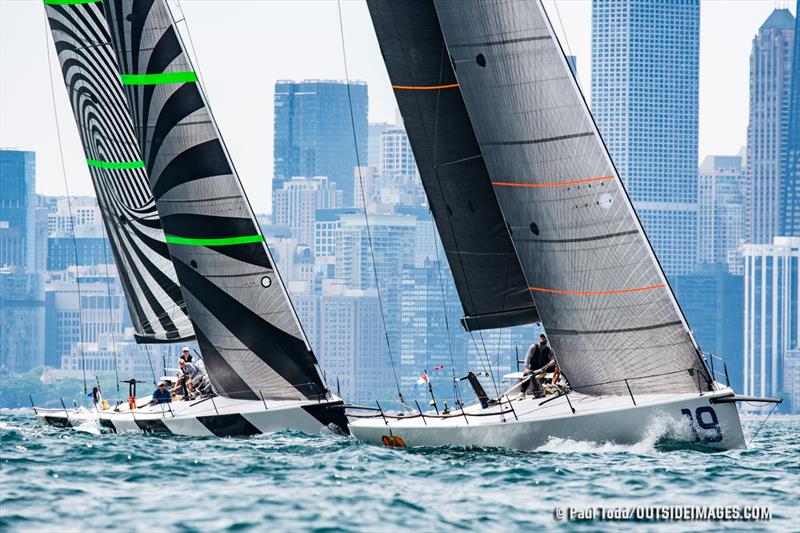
(599, 289)
(486, 270)
(246, 327)
(90, 71)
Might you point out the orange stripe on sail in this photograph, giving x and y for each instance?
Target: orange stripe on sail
(557, 184)
(620, 291)
(424, 87)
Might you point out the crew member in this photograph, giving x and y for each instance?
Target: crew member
(161, 394)
(540, 357)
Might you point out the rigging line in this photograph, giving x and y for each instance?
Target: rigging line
(69, 202)
(364, 200)
(150, 362)
(443, 59)
(110, 308)
(440, 278)
(762, 425)
(437, 241)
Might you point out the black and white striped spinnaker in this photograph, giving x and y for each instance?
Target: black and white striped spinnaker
(91, 76)
(589, 267)
(247, 329)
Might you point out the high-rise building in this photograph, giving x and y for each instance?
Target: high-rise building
(771, 313)
(791, 379)
(397, 159)
(17, 209)
(21, 320)
(768, 125)
(82, 305)
(314, 132)
(431, 335)
(352, 347)
(375, 130)
(722, 191)
(713, 301)
(297, 201)
(645, 71)
(790, 186)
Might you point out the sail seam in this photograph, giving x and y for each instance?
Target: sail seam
(425, 87)
(539, 141)
(158, 79)
(220, 241)
(506, 41)
(586, 239)
(618, 291)
(620, 330)
(556, 184)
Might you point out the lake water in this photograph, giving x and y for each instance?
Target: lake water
(68, 480)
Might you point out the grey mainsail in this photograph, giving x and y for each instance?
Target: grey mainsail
(89, 67)
(599, 289)
(247, 330)
(485, 268)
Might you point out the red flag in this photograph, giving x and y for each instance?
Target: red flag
(438, 367)
(423, 379)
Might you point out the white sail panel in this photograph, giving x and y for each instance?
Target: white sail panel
(90, 71)
(599, 289)
(245, 325)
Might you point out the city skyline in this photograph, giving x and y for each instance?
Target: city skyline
(726, 34)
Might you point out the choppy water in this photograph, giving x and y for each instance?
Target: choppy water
(66, 480)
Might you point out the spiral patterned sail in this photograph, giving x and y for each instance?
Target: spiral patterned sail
(90, 71)
(248, 332)
(596, 283)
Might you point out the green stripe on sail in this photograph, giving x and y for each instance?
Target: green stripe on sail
(158, 79)
(69, 2)
(123, 165)
(223, 241)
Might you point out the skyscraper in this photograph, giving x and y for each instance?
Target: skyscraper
(314, 132)
(771, 313)
(645, 69)
(17, 209)
(21, 320)
(721, 210)
(768, 125)
(297, 201)
(790, 187)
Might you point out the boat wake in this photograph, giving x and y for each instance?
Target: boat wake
(663, 434)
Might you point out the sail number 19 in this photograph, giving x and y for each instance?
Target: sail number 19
(710, 423)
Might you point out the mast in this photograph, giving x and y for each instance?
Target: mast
(137, 240)
(487, 273)
(248, 332)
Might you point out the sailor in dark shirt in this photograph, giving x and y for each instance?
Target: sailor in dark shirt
(540, 357)
(161, 394)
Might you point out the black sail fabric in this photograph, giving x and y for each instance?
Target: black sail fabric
(90, 71)
(246, 327)
(486, 270)
(598, 287)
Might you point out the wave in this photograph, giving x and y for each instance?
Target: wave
(664, 433)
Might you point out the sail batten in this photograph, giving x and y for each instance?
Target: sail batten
(89, 67)
(247, 330)
(598, 287)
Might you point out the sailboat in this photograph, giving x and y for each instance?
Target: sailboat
(538, 228)
(195, 262)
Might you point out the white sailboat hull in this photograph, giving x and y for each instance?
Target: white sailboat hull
(532, 424)
(66, 418)
(227, 417)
